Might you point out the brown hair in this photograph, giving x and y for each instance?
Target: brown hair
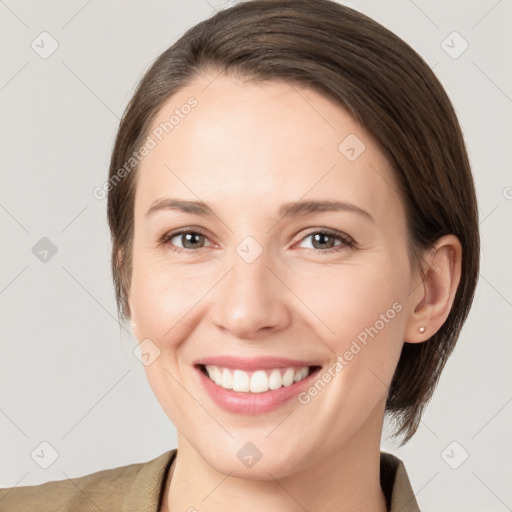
(385, 85)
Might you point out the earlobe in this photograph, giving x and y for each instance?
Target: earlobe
(435, 295)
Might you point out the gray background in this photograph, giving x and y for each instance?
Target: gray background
(68, 375)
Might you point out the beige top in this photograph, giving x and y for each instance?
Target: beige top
(140, 488)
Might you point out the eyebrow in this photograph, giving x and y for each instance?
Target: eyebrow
(294, 209)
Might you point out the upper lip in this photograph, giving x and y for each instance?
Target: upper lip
(253, 363)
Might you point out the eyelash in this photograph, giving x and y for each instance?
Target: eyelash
(346, 241)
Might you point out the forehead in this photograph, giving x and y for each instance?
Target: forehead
(222, 137)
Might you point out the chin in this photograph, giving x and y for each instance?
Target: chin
(246, 460)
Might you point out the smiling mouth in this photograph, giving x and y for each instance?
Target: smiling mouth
(259, 381)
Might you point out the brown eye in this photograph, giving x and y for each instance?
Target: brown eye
(326, 241)
(184, 241)
(323, 241)
(190, 240)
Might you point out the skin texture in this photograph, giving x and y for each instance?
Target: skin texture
(245, 149)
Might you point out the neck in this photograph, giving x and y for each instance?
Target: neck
(348, 480)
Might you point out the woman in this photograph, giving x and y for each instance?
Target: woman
(295, 243)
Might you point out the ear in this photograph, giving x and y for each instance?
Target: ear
(433, 296)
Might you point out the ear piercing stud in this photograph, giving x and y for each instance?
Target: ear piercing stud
(422, 329)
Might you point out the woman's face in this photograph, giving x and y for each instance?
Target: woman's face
(252, 284)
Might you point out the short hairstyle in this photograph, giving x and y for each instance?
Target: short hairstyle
(378, 79)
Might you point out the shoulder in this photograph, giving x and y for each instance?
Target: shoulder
(109, 489)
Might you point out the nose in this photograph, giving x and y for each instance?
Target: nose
(251, 300)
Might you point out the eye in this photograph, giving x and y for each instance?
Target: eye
(190, 240)
(324, 240)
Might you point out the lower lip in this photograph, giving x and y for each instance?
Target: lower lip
(252, 403)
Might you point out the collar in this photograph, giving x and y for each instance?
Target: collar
(396, 485)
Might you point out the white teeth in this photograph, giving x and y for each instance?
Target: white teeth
(275, 381)
(240, 380)
(227, 379)
(259, 381)
(217, 377)
(288, 377)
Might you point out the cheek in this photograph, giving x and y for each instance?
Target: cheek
(364, 311)
(162, 305)
(165, 300)
(355, 299)
(157, 301)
